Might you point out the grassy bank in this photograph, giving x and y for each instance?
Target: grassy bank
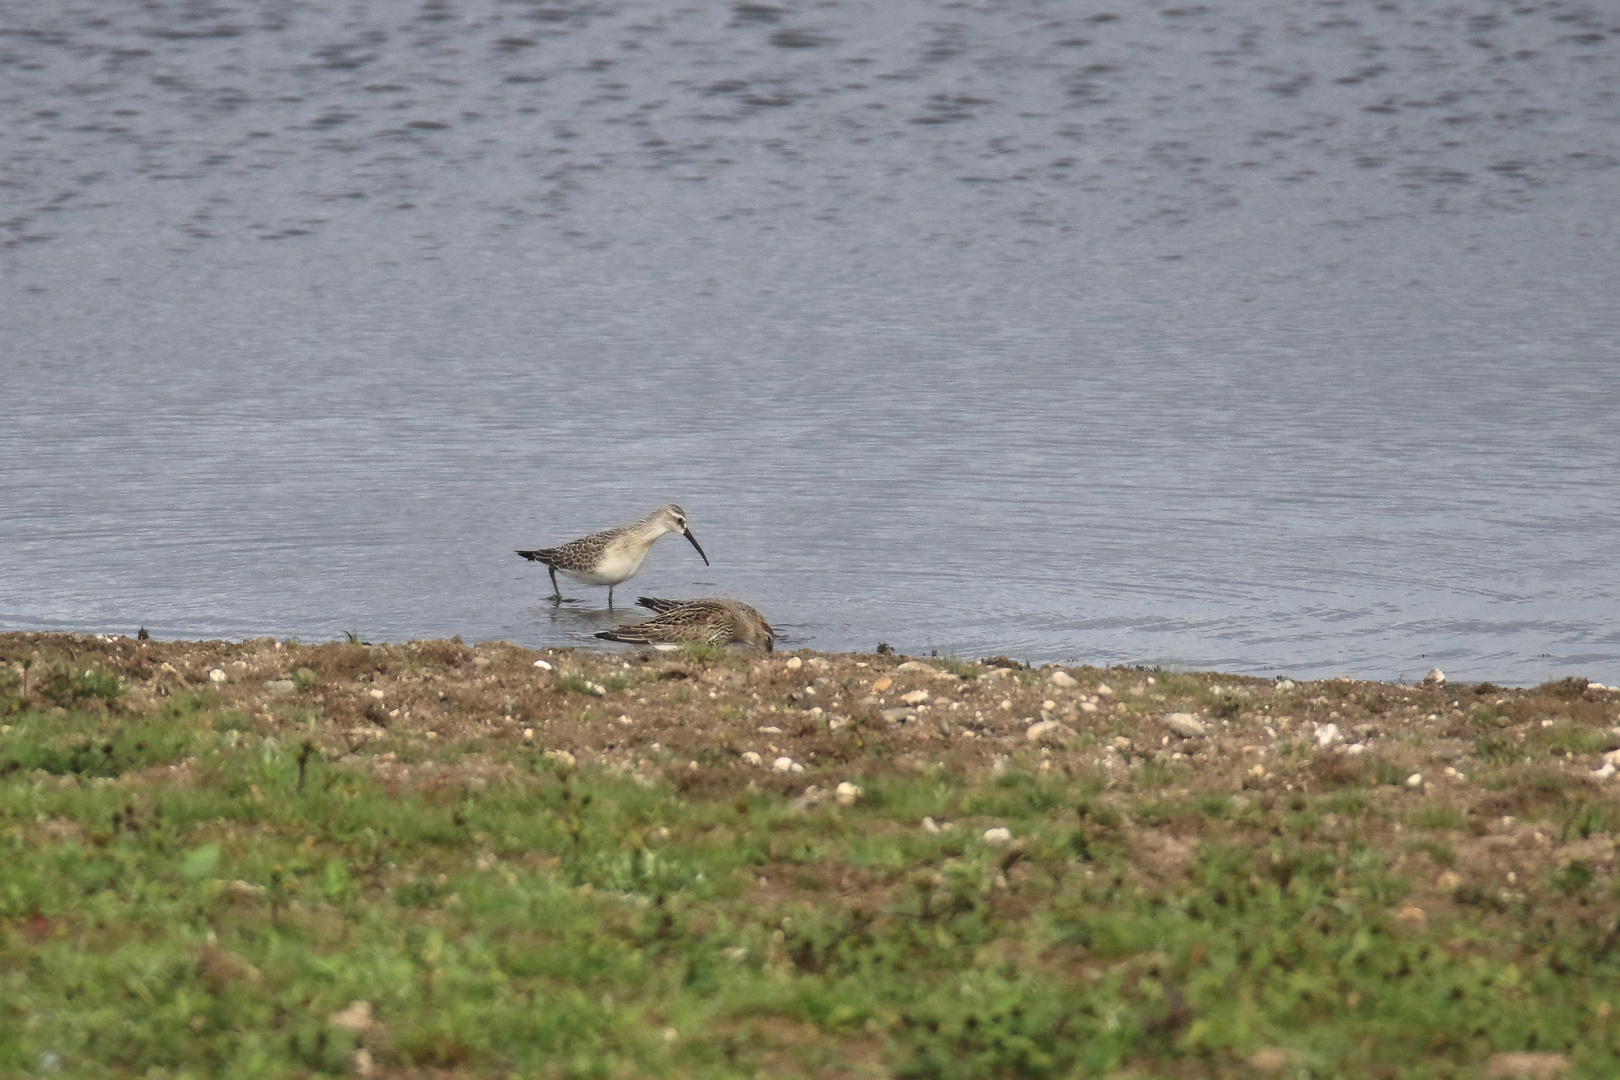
(266, 859)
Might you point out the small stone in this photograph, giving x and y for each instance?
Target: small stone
(1049, 732)
(751, 758)
(882, 684)
(1356, 750)
(897, 716)
(794, 663)
(1271, 1060)
(1104, 690)
(1328, 735)
(378, 694)
(217, 675)
(998, 835)
(363, 1065)
(929, 825)
(542, 665)
(596, 689)
(1088, 706)
(280, 686)
(1062, 678)
(916, 697)
(356, 1017)
(919, 666)
(1121, 743)
(1450, 879)
(1526, 1065)
(1415, 916)
(1184, 724)
(1284, 685)
(992, 674)
(848, 794)
(1435, 677)
(1607, 771)
(782, 764)
(1415, 780)
(1612, 757)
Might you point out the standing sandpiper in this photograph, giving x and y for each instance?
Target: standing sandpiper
(612, 555)
(714, 621)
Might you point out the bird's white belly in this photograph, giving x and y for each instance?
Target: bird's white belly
(612, 568)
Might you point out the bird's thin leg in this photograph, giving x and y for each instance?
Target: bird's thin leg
(610, 598)
(555, 591)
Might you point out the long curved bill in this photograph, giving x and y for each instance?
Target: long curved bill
(689, 536)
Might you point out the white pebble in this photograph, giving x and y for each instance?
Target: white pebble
(217, 675)
(848, 794)
(751, 758)
(1284, 685)
(1607, 771)
(783, 764)
(1184, 724)
(998, 835)
(542, 665)
(1327, 735)
(1047, 731)
(794, 663)
(1415, 780)
(378, 694)
(1062, 678)
(1435, 677)
(1105, 690)
(929, 825)
(916, 697)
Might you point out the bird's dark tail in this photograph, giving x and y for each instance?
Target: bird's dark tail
(652, 603)
(541, 555)
(629, 635)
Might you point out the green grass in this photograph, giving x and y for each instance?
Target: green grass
(210, 920)
(702, 652)
(967, 670)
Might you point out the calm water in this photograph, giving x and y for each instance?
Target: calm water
(1277, 337)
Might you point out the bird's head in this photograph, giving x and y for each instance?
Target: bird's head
(673, 518)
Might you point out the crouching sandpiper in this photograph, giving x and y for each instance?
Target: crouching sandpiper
(713, 622)
(612, 556)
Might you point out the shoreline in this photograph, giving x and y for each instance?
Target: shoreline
(738, 846)
(941, 709)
